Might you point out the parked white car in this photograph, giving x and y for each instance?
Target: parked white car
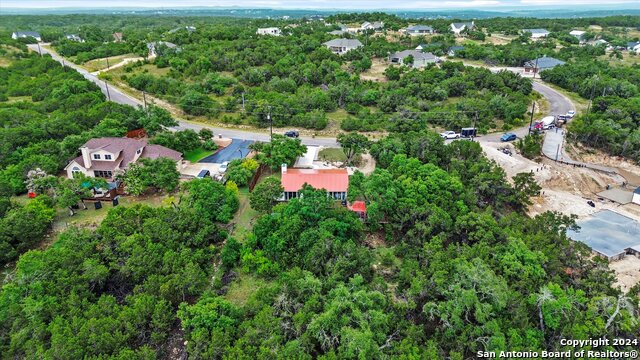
(449, 135)
(571, 114)
(223, 167)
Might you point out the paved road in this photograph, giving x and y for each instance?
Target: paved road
(559, 103)
(118, 96)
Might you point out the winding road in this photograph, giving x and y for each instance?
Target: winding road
(559, 104)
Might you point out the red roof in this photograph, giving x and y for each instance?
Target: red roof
(358, 206)
(336, 180)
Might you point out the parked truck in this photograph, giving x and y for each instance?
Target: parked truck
(544, 124)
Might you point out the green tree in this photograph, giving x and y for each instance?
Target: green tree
(525, 187)
(264, 195)
(281, 150)
(21, 227)
(211, 199)
(353, 144)
(159, 174)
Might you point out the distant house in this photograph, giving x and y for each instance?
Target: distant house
(600, 42)
(360, 208)
(418, 30)
(273, 31)
(420, 59)
(458, 28)
(189, 29)
(537, 65)
(453, 50)
(334, 181)
(342, 46)
(577, 33)
(633, 46)
(156, 47)
(636, 196)
(74, 37)
(423, 47)
(118, 37)
(537, 33)
(105, 157)
(25, 35)
(337, 32)
(376, 25)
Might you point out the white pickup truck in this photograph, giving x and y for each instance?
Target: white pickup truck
(449, 135)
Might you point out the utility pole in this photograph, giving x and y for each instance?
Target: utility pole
(270, 124)
(106, 86)
(144, 99)
(108, 63)
(535, 69)
(39, 50)
(593, 90)
(533, 110)
(243, 101)
(475, 121)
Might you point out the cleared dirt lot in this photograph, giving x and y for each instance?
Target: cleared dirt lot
(567, 189)
(627, 272)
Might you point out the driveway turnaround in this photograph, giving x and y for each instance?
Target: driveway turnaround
(238, 149)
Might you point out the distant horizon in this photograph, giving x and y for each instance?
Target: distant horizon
(318, 5)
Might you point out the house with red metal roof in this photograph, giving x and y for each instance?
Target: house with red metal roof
(334, 181)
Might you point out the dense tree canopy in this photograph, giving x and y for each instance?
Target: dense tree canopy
(445, 263)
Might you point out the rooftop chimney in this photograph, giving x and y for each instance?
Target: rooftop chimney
(86, 157)
(283, 167)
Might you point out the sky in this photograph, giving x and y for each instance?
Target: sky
(310, 4)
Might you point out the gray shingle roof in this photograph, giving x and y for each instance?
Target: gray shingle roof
(419, 28)
(417, 55)
(33, 34)
(347, 43)
(461, 24)
(536, 31)
(545, 62)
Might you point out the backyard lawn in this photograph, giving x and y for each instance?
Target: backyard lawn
(92, 217)
(332, 155)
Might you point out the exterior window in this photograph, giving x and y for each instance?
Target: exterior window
(107, 157)
(103, 174)
(75, 170)
(139, 151)
(96, 156)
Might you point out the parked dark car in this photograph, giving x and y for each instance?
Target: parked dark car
(292, 134)
(204, 173)
(508, 137)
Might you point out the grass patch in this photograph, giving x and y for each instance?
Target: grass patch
(628, 59)
(242, 288)
(332, 154)
(92, 217)
(197, 154)
(101, 64)
(13, 99)
(244, 216)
